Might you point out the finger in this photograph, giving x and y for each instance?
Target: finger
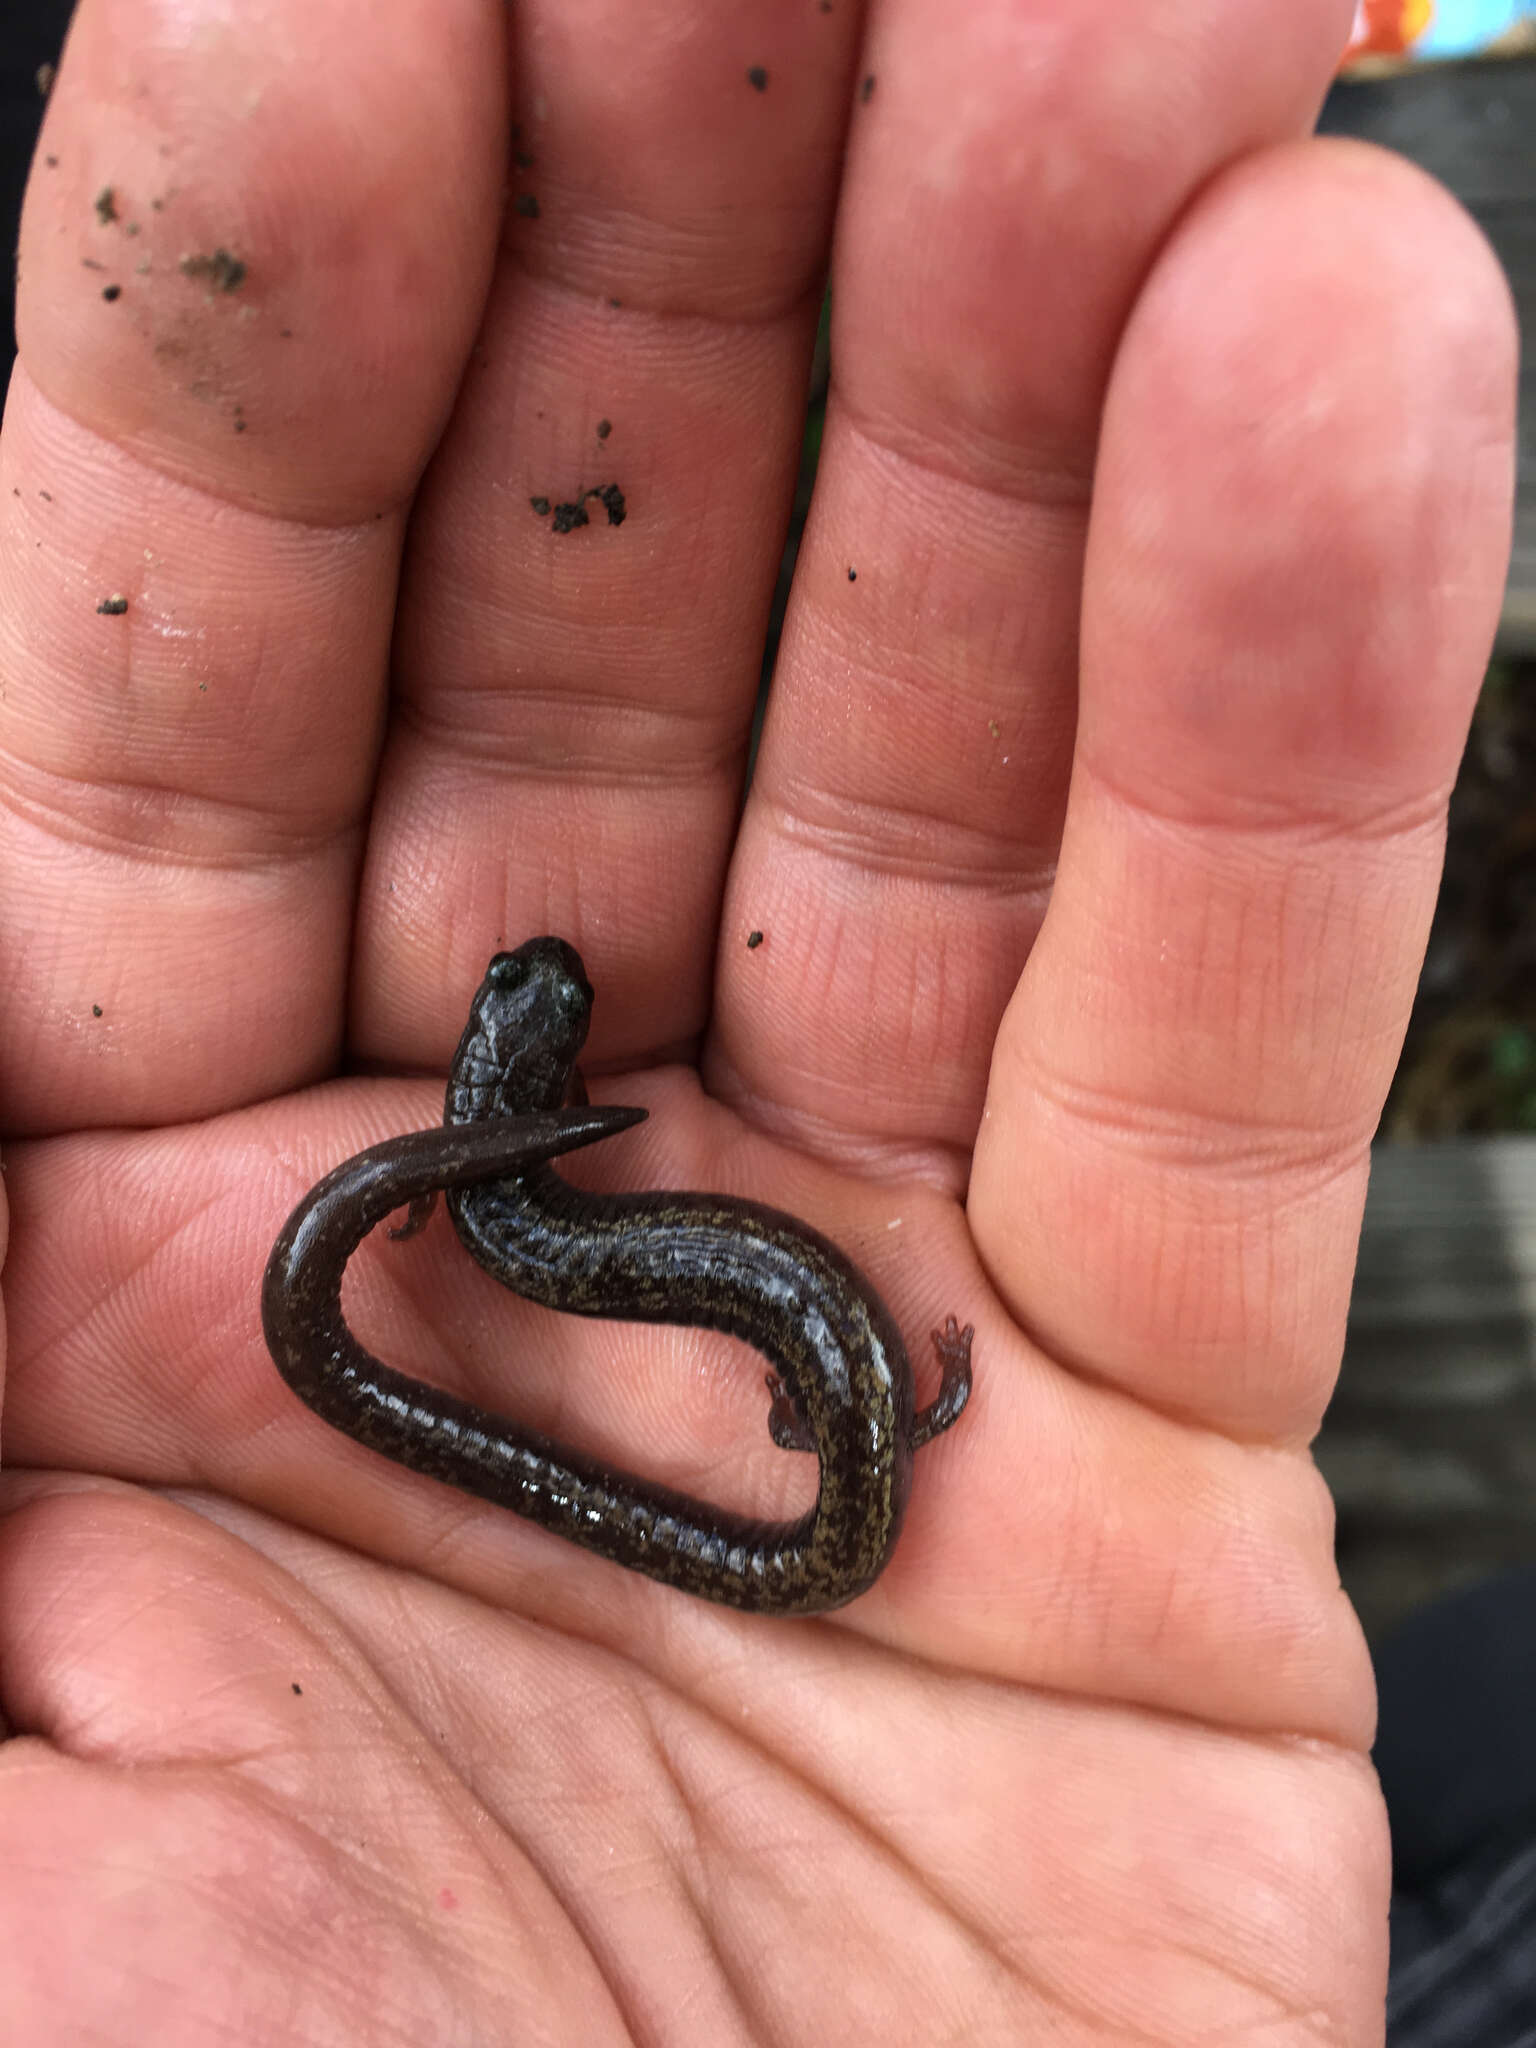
(576, 703)
(1010, 175)
(1300, 524)
(236, 244)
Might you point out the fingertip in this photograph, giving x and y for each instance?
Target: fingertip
(1308, 455)
(236, 245)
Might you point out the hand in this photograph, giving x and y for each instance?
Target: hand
(1154, 559)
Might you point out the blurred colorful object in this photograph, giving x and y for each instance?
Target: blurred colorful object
(1437, 28)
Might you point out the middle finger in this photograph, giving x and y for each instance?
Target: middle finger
(573, 705)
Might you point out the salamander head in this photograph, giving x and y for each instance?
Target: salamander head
(526, 1027)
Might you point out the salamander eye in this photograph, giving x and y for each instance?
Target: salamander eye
(505, 971)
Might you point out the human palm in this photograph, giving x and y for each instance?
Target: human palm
(1154, 557)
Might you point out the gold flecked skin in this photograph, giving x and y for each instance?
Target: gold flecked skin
(693, 1259)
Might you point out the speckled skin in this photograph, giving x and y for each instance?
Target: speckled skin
(690, 1259)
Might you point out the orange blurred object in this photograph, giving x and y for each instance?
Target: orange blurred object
(1386, 28)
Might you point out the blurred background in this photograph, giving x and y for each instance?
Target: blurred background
(1430, 1445)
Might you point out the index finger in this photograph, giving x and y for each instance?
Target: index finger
(202, 499)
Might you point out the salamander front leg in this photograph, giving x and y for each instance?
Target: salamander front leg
(417, 1216)
(786, 1425)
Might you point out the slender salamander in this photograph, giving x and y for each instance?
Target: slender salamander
(842, 1385)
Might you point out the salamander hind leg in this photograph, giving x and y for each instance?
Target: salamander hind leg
(952, 1348)
(786, 1425)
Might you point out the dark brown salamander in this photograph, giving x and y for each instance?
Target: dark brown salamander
(843, 1384)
